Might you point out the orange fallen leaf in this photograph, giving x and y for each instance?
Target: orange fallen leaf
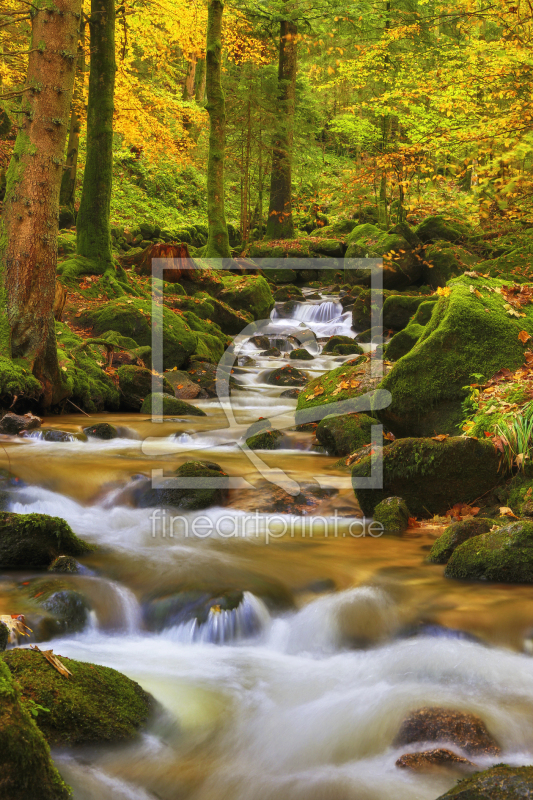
(440, 438)
(524, 337)
(505, 511)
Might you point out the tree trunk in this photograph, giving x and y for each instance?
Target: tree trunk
(68, 181)
(93, 229)
(199, 82)
(189, 85)
(218, 240)
(28, 227)
(280, 223)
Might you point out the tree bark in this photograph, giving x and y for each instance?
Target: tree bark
(188, 86)
(218, 240)
(280, 223)
(28, 227)
(92, 226)
(199, 82)
(68, 181)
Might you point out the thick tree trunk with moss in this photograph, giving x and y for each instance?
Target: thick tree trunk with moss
(28, 227)
(68, 181)
(218, 240)
(92, 227)
(280, 223)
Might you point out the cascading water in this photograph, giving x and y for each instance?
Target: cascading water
(324, 319)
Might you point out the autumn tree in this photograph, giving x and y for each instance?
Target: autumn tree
(29, 223)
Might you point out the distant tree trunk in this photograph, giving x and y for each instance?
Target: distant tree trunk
(93, 229)
(199, 81)
(28, 227)
(218, 240)
(189, 85)
(280, 224)
(68, 181)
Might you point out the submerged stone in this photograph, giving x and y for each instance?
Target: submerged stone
(102, 430)
(12, 424)
(460, 728)
(206, 484)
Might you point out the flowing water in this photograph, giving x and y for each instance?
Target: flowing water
(299, 691)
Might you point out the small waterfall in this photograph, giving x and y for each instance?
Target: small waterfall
(51, 436)
(222, 627)
(307, 312)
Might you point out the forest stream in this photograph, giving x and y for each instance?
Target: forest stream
(298, 692)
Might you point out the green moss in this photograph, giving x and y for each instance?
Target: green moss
(367, 308)
(454, 535)
(26, 766)
(301, 354)
(403, 341)
(208, 488)
(402, 265)
(220, 316)
(515, 265)
(399, 308)
(97, 704)
(466, 335)
(171, 406)
(135, 383)
(250, 293)
(35, 540)
(286, 376)
(333, 341)
(501, 782)
(319, 392)
(346, 433)
(393, 514)
(444, 261)
(431, 476)
(16, 380)
(503, 556)
(439, 227)
(83, 372)
(133, 318)
(265, 440)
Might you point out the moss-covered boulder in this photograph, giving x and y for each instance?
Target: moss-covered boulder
(135, 383)
(402, 264)
(269, 439)
(205, 307)
(352, 349)
(375, 335)
(102, 430)
(399, 308)
(132, 317)
(282, 276)
(286, 376)
(330, 248)
(26, 766)
(333, 341)
(503, 556)
(393, 514)
(250, 293)
(509, 265)
(454, 535)
(82, 367)
(403, 341)
(33, 541)
(501, 782)
(438, 227)
(287, 292)
(16, 381)
(98, 704)
(351, 382)
(170, 406)
(201, 484)
(431, 476)
(470, 332)
(444, 261)
(367, 308)
(301, 354)
(346, 433)
(206, 376)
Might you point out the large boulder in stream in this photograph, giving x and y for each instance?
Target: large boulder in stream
(169, 405)
(34, 541)
(435, 724)
(501, 782)
(398, 309)
(98, 704)
(454, 535)
(393, 514)
(431, 475)
(501, 556)
(201, 484)
(346, 433)
(12, 424)
(26, 766)
(471, 332)
(286, 376)
(135, 383)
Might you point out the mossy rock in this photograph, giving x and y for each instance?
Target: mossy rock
(98, 704)
(348, 382)
(444, 261)
(69, 609)
(501, 782)
(514, 265)
(171, 406)
(282, 276)
(402, 264)
(26, 766)
(249, 293)
(424, 312)
(431, 476)
(337, 228)
(287, 292)
(102, 430)
(205, 375)
(132, 317)
(348, 349)
(399, 308)
(33, 541)
(367, 308)
(286, 376)
(204, 307)
(265, 440)
(503, 556)
(66, 243)
(331, 248)
(301, 354)
(439, 227)
(205, 485)
(371, 335)
(346, 433)
(404, 341)
(454, 535)
(466, 335)
(135, 383)
(333, 341)
(15, 380)
(393, 514)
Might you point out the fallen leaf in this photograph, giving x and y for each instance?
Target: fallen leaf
(524, 337)
(16, 624)
(440, 438)
(507, 512)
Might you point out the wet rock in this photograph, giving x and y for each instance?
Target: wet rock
(427, 473)
(501, 782)
(301, 354)
(287, 292)
(261, 342)
(69, 609)
(274, 352)
(333, 341)
(102, 430)
(286, 376)
(54, 435)
(464, 730)
(12, 424)
(135, 383)
(503, 556)
(205, 485)
(262, 424)
(374, 335)
(97, 704)
(175, 609)
(33, 541)
(67, 564)
(205, 376)
(26, 765)
(454, 535)
(435, 760)
(268, 498)
(291, 393)
(265, 440)
(346, 433)
(183, 386)
(393, 514)
(4, 636)
(170, 405)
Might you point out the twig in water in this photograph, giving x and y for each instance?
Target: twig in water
(79, 409)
